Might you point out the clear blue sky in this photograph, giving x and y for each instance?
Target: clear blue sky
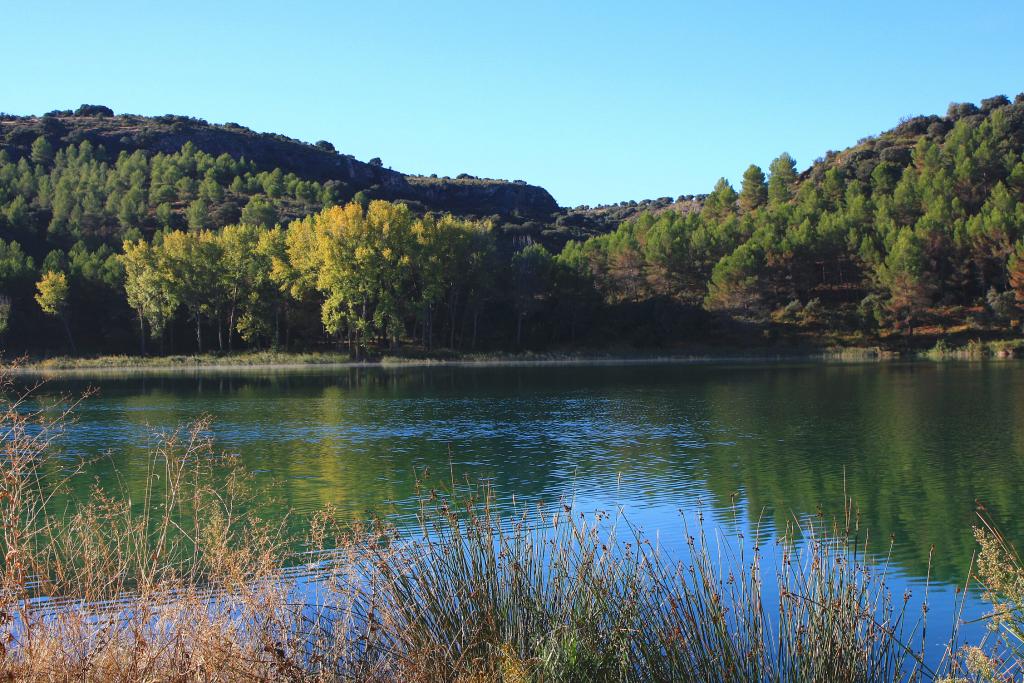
(596, 101)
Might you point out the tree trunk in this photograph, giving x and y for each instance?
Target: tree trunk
(277, 327)
(359, 336)
(199, 333)
(463, 321)
(142, 334)
(428, 328)
(476, 318)
(287, 328)
(519, 330)
(453, 300)
(67, 331)
(231, 329)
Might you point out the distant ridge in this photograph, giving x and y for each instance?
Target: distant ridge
(320, 162)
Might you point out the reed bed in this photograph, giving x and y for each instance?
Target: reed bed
(191, 584)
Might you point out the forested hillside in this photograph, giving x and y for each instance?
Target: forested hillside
(878, 237)
(122, 233)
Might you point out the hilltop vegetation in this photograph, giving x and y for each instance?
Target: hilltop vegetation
(928, 213)
(342, 175)
(119, 230)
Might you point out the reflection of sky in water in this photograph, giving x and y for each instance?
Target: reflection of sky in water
(912, 445)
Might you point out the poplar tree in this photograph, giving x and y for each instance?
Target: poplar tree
(52, 293)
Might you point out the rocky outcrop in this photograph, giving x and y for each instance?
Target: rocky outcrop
(483, 197)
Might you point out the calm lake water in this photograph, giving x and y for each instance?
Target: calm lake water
(914, 445)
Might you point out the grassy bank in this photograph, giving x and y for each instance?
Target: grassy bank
(976, 350)
(893, 348)
(241, 359)
(271, 359)
(187, 584)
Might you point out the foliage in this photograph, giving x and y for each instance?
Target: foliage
(754, 193)
(81, 192)
(905, 221)
(927, 215)
(52, 295)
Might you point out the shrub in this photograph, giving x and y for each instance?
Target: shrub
(959, 110)
(871, 313)
(813, 311)
(1003, 305)
(990, 103)
(94, 110)
(792, 310)
(896, 155)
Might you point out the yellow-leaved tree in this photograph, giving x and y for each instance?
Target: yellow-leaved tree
(52, 293)
(149, 289)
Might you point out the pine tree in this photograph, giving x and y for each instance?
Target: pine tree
(782, 176)
(41, 152)
(754, 192)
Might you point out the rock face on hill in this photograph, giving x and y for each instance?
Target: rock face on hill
(319, 162)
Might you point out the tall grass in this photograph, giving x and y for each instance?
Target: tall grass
(188, 583)
(567, 596)
(974, 349)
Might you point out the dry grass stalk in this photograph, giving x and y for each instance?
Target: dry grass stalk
(190, 584)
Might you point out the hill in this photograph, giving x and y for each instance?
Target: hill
(337, 176)
(910, 237)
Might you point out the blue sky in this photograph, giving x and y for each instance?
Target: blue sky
(596, 101)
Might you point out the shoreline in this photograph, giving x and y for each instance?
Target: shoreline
(997, 350)
(282, 362)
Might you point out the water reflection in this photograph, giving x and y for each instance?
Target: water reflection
(913, 444)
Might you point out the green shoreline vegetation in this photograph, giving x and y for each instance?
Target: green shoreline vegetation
(188, 584)
(910, 240)
(973, 350)
(269, 359)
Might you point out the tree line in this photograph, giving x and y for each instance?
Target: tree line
(140, 253)
(926, 216)
(361, 276)
(356, 276)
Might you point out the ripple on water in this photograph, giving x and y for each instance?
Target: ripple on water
(746, 446)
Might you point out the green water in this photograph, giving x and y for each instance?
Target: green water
(914, 445)
(744, 446)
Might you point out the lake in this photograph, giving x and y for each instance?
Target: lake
(914, 445)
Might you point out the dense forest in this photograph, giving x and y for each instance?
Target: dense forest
(910, 235)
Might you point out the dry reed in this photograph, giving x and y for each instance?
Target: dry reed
(189, 583)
